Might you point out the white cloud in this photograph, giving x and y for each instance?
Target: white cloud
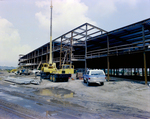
(67, 14)
(106, 8)
(131, 3)
(10, 47)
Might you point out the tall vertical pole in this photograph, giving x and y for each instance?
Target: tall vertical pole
(71, 48)
(47, 55)
(144, 56)
(107, 57)
(86, 49)
(50, 55)
(60, 53)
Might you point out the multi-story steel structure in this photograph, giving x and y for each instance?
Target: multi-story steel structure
(125, 50)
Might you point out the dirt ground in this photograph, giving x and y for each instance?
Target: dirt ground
(117, 97)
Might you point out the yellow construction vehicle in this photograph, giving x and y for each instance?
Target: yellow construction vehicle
(50, 71)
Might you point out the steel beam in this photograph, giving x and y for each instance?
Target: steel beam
(97, 27)
(80, 27)
(81, 34)
(144, 55)
(70, 31)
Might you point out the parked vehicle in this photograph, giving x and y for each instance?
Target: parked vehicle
(35, 71)
(23, 72)
(94, 76)
(79, 73)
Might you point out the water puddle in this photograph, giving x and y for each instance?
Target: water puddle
(65, 103)
(55, 92)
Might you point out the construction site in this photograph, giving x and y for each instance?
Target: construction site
(123, 52)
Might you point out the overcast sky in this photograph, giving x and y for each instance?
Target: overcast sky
(24, 24)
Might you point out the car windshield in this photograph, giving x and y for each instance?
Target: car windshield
(97, 73)
(66, 66)
(88, 72)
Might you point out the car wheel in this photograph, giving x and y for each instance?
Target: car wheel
(66, 80)
(101, 83)
(87, 83)
(51, 78)
(54, 79)
(84, 81)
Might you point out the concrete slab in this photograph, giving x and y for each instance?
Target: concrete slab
(22, 80)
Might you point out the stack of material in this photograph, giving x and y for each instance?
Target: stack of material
(22, 80)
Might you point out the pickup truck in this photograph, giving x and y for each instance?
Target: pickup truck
(94, 76)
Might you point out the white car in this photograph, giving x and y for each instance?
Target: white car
(94, 76)
(35, 71)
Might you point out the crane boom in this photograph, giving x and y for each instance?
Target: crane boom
(49, 70)
(50, 54)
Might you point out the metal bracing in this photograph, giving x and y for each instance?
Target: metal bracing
(82, 34)
(81, 27)
(76, 38)
(67, 38)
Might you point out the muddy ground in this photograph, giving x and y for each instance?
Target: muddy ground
(118, 98)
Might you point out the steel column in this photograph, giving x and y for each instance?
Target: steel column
(86, 49)
(60, 53)
(108, 58)
(47, 49)
(42, 59)
(131, 72)
(71, 48)
(144, 56)
(34, 56)
(47, 54)
(42, 51)
(123, 72)
(52, 51)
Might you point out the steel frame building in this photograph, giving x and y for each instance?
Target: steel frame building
(93, 47)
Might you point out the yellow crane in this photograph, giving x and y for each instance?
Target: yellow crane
(49, 70)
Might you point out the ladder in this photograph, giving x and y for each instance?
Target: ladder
(39, 65)
(65, 56)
